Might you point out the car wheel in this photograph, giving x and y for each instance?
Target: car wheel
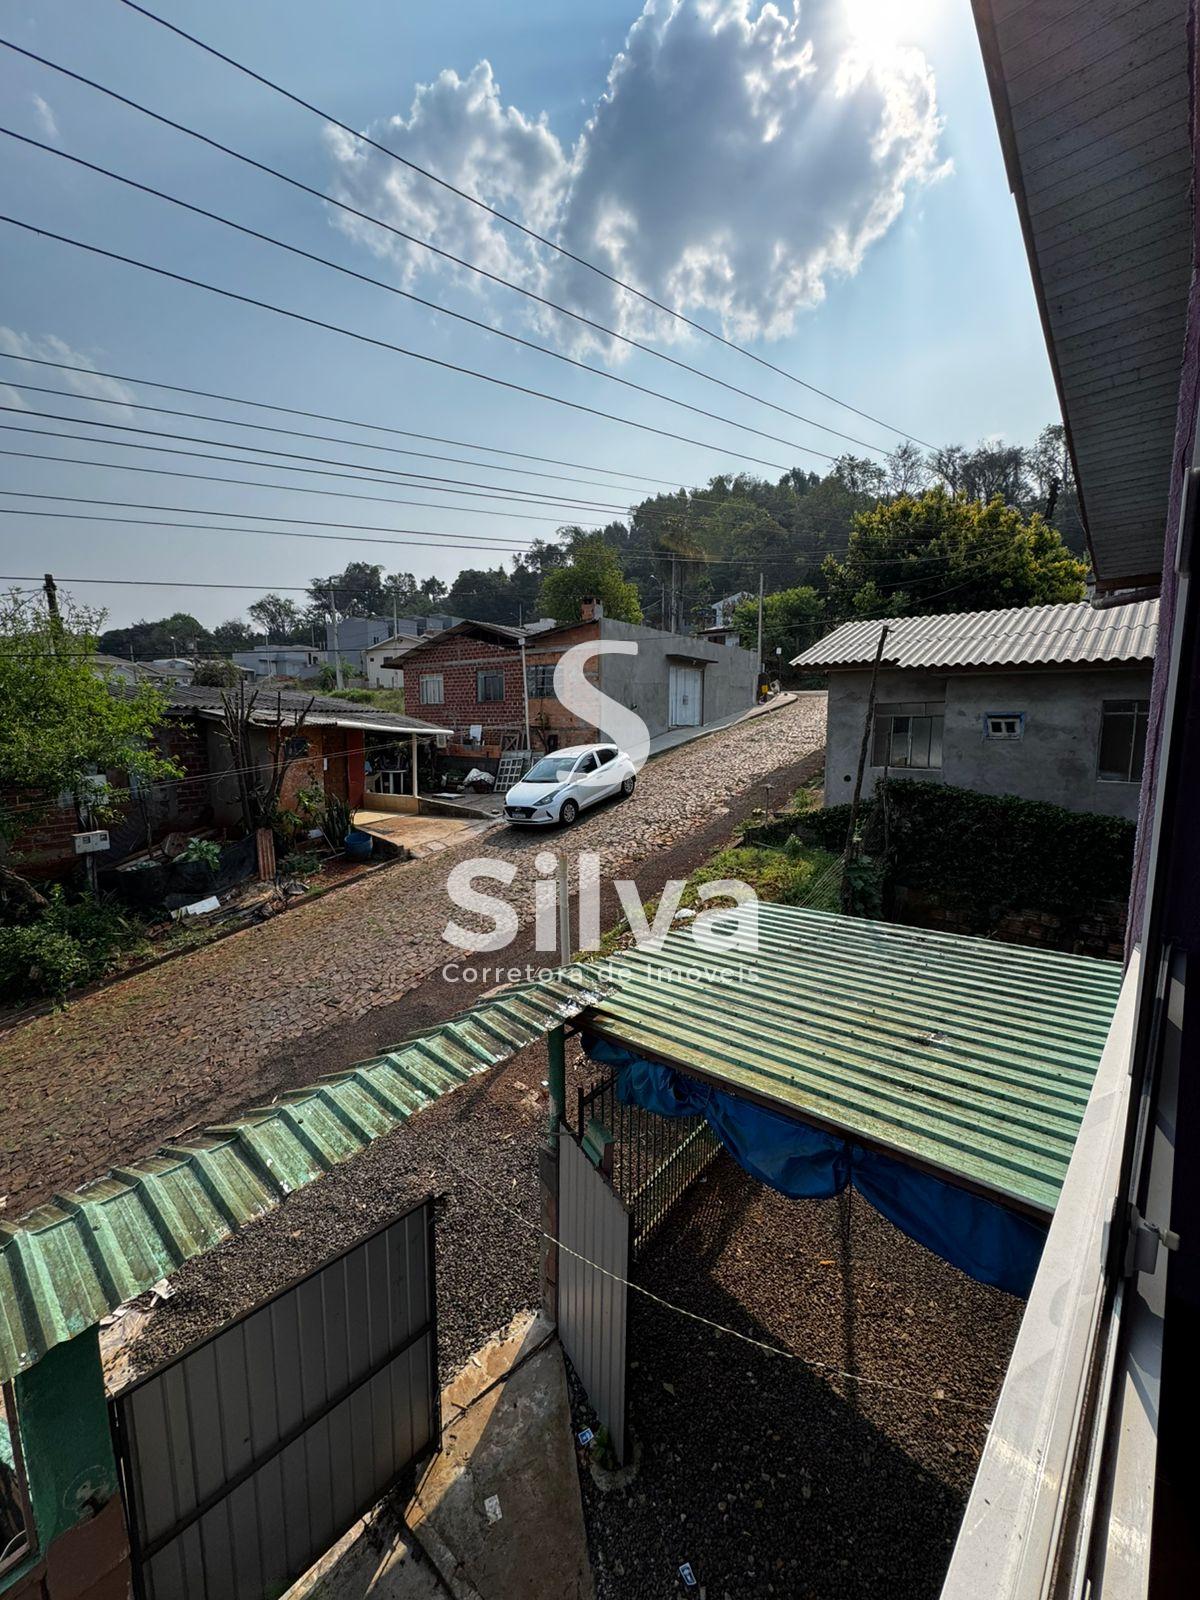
(627, 788)
(568, 813)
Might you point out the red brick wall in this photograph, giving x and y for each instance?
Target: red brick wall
(460, 659)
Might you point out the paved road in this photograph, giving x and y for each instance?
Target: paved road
(193, 1040)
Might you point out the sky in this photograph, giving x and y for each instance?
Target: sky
(821, 182)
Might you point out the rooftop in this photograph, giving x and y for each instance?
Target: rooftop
(322, 710)
(965, 1057)
(1024, 636)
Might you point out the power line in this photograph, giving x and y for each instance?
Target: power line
(431, 483)
(416, 299)
(362, 138)
(299, 433)
(425, 244)
(323, 416)
(251, 483)
(385, 344)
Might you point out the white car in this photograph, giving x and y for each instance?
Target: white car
(561, 785)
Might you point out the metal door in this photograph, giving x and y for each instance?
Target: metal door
(686, 691)
(253, 1452)
(593, 1272)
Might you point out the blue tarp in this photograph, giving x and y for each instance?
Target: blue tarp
(983, 1239)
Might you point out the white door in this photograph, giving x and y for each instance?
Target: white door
(686, 688)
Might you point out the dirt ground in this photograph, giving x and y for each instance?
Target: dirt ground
(200, 1039)
(797, 1483)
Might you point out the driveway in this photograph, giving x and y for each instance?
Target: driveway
(203, 1037)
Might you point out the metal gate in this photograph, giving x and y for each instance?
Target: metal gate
(593, 1268)
(686, 686)
(253, 1452)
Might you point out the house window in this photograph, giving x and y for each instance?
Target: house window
(433, 689)
(908, 734)
(1123, 740)
(1004, 725)
(489, 686)
(539, 681)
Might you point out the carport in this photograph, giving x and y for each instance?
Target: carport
(944, 1078)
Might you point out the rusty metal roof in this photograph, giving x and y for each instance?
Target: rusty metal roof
(1022, 636)
(969, 1058)
(70, 1262)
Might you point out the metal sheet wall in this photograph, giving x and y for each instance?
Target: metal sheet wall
(593, 1304)
(252, 1453)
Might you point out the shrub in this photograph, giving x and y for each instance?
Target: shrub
(202, 853)
(69, 943)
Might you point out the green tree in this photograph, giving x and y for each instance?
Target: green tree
(361, 591)
(594, 572)
(941, 552)
(278, 617)
(791, 622)
(483, 594)
(216, 674)
(64, 723)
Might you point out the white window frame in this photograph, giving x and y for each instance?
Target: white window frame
(1004, 725)
(910, 710)
(538, 674)
(433, 689)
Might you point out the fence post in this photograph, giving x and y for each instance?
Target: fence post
(78, 1517)
(556, 1047)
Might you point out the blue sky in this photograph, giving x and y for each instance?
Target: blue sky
(934, 329)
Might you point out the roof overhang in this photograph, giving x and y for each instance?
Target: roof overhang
(1093, 109)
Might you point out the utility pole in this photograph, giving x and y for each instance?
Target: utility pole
(760, 609)
(337, 654)
(51, 589)
(868, 724)
(395, 608)
(525, 696)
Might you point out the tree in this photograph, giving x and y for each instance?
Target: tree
(64, 723)
(907, 469)
(360, 590)
(940, 552)
(179, 634)
(278, 617)
(216, 675)
(483, 595)
(233, 635)
(594, 572)
(791, 622)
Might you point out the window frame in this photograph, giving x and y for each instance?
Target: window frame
(1000, 735)
(429, 678)
(539, 672)
(910, 711)
(496, 673)
(1138, 714)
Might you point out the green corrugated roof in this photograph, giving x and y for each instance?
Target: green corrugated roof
(971, 1058)
(70, 1262)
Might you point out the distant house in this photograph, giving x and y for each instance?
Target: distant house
(721, 630)
(356, 635)
(283, 661)
(1046, 702)
(470, 677)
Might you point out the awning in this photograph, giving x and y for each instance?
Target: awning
(944, 1076)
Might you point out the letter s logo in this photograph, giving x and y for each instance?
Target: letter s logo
(574, 690)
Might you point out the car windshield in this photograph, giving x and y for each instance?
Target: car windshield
(550, 769)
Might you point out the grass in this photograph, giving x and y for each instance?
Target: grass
(381, 699)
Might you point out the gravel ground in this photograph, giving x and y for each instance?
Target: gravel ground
(203, 1037)
(796, 1483)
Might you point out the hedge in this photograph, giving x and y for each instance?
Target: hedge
(989, 851)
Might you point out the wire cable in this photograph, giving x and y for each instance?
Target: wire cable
(384, 344)
(362, 138)
(416, 299)
(426, 244)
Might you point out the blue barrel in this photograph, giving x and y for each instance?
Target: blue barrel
(359, 845)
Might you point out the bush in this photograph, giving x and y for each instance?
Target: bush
(216, 675)
(69, 943)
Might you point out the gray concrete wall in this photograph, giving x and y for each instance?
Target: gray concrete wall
(642, 682)
(1056, 760)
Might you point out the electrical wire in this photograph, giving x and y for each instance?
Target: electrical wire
(251, 483)
(362, 138)
(426, 244)
(324, 416)
(416, 299)
(383, 344)
(427, 481)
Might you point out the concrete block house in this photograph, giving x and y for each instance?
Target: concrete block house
(470, 677)
(1044, 702)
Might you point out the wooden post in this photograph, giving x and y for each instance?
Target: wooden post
(556, 1050)
(868, 723)
(414, 766)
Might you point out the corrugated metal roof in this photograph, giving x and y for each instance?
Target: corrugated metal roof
(70, 1262)
(970, 1058)
(1022, 636)
(322, 709)
(1093, 109)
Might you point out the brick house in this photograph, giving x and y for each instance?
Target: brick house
(470, 677)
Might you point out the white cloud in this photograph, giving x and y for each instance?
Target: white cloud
(740, 158)
(46, 119)
(51, 348)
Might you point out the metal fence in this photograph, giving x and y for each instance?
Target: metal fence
(253, 1452)
(649, 1160)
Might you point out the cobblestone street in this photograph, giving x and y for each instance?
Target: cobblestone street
(190, 1041)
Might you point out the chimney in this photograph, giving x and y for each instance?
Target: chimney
(591, 609)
